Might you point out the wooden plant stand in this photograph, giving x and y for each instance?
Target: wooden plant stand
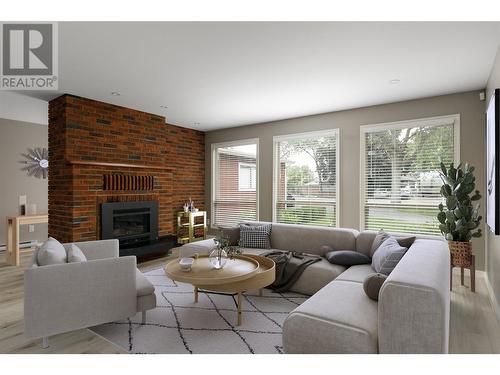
(472, 270)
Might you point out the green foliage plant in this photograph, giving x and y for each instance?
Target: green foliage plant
(459, 217)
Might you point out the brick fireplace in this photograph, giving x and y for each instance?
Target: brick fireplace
(102, 153)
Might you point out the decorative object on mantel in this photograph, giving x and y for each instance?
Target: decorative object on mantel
(459, 218)
(37, 162)
(189, 206)
(192, 229)
(222, 251)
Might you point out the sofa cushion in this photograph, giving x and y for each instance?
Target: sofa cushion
(51, 252)
(143, 286)
(356, 273)
(75, 254)
(310, 238)
(387, 256)
(316, 276)
(347, 258)
(372, 285)
(337, 319)
(364, 241)
(255, 236)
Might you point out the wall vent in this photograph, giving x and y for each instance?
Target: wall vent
(124, 182)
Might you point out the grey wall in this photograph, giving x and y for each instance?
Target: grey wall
(492, 241)
(467, 104)
(15, 138)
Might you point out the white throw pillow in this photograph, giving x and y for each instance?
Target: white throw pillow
(51, 252)
(75, 254)
(387, 256)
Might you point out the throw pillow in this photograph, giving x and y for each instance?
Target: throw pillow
(75, 254)
(372, 285)
(406, 241)
(382, 236)
(379, 239)
(387, 256)
(232, 234)
(51, 252)
(347, 258)
(255, 236)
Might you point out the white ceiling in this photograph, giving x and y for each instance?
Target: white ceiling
(213, 75)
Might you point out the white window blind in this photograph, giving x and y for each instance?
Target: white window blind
(247, 175)
(400, 179)
(305, 178)
(234, 196)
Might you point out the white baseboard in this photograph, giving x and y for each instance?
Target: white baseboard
(493, 299)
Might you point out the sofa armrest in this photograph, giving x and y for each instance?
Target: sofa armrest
(414, 302)
(101, 249)
(65, 297)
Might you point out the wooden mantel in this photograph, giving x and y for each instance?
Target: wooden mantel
(117, 165)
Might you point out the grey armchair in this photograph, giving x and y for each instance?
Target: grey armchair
(65, 297)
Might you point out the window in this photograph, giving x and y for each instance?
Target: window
(305, 178)
(234, 179)
(400, 183)
(247, 174)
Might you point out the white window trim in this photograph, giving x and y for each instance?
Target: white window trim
(428, 121)
(213, 148)
(248, 165)
(319, 133)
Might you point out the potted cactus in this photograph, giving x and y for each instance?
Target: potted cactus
(459, 217)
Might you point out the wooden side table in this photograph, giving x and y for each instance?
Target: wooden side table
(12, 229)
(472, 270)
(190, 221)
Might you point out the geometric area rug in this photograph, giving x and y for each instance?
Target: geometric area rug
(178, 325)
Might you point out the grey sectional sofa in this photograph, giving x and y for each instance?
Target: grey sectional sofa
(411, 316)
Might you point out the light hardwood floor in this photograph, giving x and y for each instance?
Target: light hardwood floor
(473, 326)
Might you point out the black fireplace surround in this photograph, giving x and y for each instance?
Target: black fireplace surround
(130, 222)
(135, 225)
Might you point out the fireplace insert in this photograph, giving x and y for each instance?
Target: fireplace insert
(132, 223)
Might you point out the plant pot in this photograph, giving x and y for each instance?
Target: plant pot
(461, 253)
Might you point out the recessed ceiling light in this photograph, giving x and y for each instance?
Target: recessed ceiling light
(114, 93)
(394, 81)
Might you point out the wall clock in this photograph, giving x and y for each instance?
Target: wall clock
(37, 162)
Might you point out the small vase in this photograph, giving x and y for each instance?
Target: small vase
(218, 258)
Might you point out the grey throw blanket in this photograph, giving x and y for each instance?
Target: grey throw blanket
(289, 267)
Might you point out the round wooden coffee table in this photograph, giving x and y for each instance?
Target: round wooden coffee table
(243, 273)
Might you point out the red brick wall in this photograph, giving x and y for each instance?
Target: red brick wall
(88, 131)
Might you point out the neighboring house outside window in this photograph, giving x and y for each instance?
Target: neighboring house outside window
(235, 182)
(247, 177)
(400, 183)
